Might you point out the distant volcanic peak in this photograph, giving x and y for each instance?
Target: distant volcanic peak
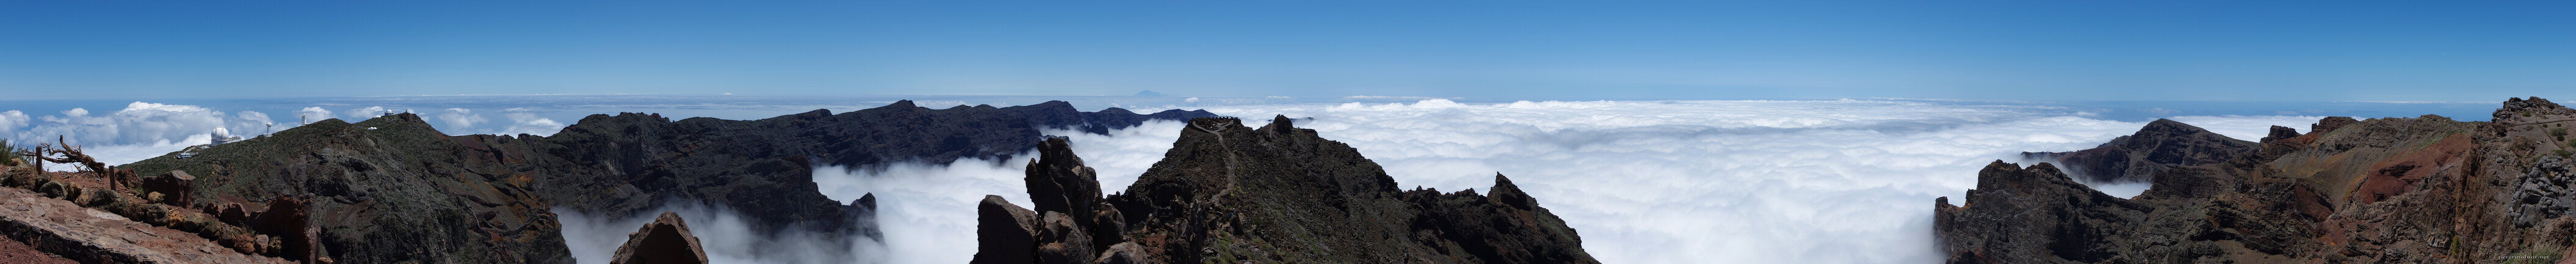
(2160, 145)
(2173, 126)
(2170, 128)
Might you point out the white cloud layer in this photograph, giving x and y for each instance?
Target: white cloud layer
(141, 130)
(1846, 181)
(316, 113)
(928, 210)
(459, 118)
(722, 232)
(529, 123)
(11, 120)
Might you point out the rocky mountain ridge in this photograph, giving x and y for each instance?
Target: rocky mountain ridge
(393, 189)
(1227, 193)
(2388, 190)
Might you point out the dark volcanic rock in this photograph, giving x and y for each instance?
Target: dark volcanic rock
(2161, 145)
(383, 189)
(1229, 193)
(173, 186)
(2033, 215)
(1122, 253)
(666, 240)
(2389, 190)
(1004, 233)
(1058, 182)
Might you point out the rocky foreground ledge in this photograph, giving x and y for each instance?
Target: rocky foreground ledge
(1226, 193)
(2390, 190)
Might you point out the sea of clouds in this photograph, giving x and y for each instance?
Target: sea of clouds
(1830, 181)
(1841, 181)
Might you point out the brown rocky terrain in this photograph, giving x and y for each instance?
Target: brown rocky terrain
(2388, 190)
(53, 226)
(1226, 193)
(392, 189)
(14, 252)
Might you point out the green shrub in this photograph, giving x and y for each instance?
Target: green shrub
(9, 154)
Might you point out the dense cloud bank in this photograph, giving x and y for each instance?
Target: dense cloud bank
(725, 235)
(1846, 181)
(1646, 182)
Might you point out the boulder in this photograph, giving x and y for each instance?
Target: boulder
(289, 219)
(666, 240)
(1004, 233)
(173, 186)
(1062, 240)
(1122, 253)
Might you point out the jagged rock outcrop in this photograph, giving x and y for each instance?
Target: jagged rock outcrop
(1229, 193)
(382, 190)
(666, 240)
(2033, 215)
(2161, 145)
(2389, 190)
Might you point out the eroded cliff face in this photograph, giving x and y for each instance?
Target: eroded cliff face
(2390, 190)
(1230, 193)
(392, 189)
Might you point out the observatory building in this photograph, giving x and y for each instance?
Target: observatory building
(223, 136)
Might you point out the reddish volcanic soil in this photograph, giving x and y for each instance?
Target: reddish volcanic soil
(14, 252)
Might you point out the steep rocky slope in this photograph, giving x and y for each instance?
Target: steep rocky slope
(392, 189)
(1227, 193)
(2390, 190)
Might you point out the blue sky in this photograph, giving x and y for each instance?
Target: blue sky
(2478, 51)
